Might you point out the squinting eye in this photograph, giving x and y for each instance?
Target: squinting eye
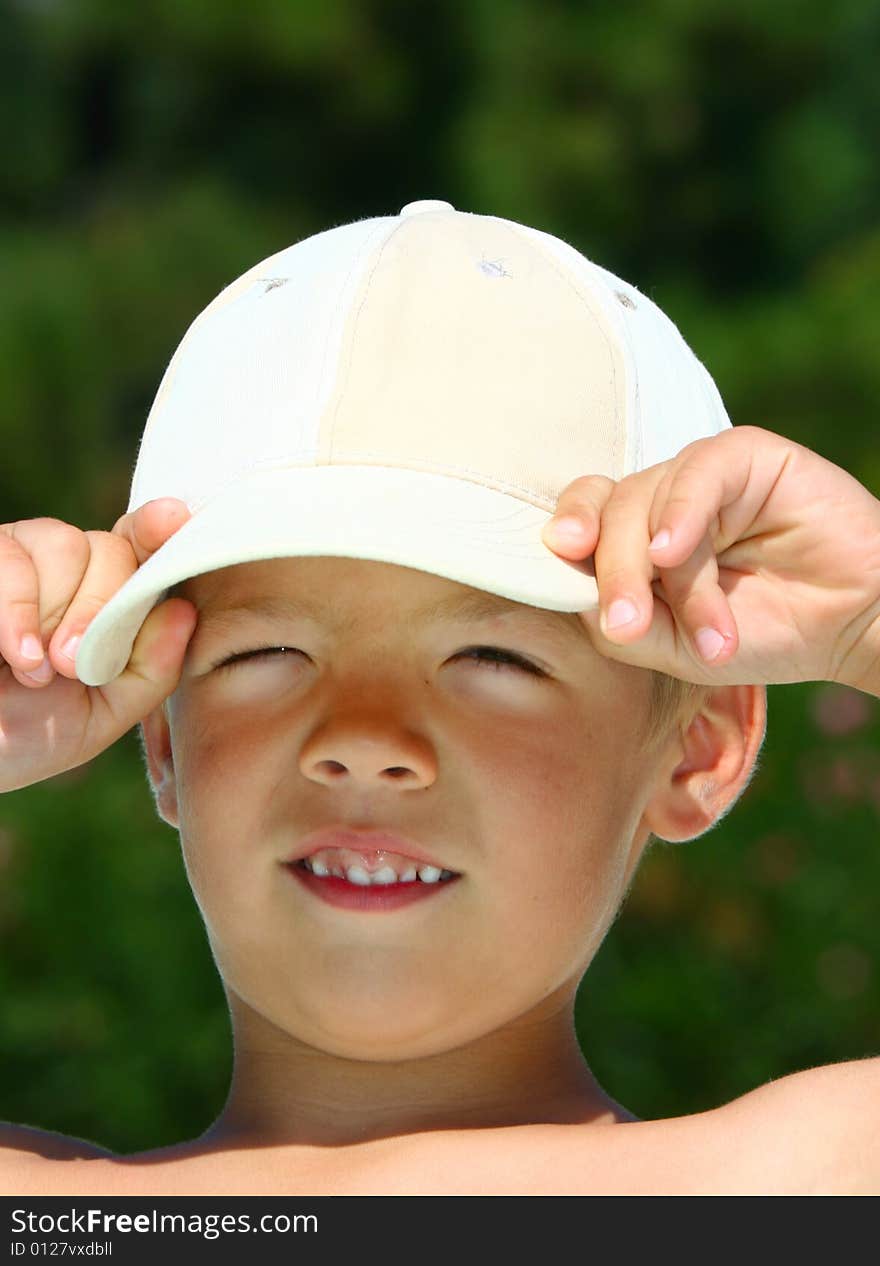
(486, 656)
(495, 658)
(256, 654)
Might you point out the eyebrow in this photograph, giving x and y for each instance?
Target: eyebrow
(467, 608)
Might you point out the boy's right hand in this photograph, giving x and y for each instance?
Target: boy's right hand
(54, 579)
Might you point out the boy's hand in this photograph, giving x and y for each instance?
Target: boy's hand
(772, 549)
(53, 581)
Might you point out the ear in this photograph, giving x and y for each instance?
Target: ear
(708, 766)
(159, 758)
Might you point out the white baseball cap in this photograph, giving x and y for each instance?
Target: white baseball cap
(414, 388)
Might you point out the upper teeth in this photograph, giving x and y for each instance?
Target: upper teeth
(386, 875)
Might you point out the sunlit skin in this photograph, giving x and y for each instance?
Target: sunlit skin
(432, 1049)
(457, 1011)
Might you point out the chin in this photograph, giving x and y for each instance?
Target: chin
(380, 1027)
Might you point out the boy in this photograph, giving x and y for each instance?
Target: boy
(414, 742)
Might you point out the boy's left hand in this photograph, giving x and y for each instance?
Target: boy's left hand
(771, 546)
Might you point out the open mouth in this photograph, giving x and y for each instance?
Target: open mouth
(378, 893)
(382, 878)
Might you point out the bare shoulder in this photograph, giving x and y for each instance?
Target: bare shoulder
(816, 1131)
(34, 1161)
(30, 1140)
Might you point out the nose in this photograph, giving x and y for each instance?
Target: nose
(368, 750)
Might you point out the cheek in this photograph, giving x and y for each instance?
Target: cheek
(579, 788)
(557, 812)
(220, 757)
(550, 786)
(220, 774)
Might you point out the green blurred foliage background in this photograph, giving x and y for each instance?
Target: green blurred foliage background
(723, 157)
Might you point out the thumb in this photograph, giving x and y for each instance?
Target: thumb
(154, 666)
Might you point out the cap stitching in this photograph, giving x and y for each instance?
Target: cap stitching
(326, 447)
(324, 356)
(472, 473)
(538, 245)
(227, 294)
(473, 476)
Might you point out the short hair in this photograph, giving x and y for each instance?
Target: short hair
(672, 704)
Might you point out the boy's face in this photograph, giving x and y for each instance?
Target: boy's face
(533, 788)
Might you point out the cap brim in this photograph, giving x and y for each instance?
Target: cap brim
(450, 527)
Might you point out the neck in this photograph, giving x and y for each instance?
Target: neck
(286, 1093)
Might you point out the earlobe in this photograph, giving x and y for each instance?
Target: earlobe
(159, 758)
(710, 764)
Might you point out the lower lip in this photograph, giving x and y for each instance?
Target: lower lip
(374, 897)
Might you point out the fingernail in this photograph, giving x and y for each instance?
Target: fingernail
(566, 531)
(31, 647)
(660, 540)
(69, 647)
(621, 612)
(42, 674)
(709, 643)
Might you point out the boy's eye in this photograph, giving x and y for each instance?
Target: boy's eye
(495, 658)
(232, 660)
(486, 656)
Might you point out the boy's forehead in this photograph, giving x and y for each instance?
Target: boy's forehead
(329, 590)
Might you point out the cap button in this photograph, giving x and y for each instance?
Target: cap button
(427, 204)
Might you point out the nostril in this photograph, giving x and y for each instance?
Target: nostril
(333, 767)
(334, 770)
